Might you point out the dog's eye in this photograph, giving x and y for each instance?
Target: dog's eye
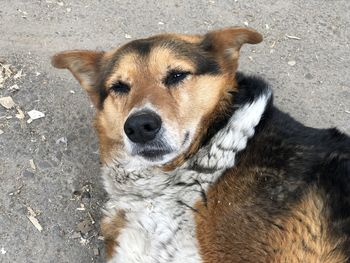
(120, 87)
(175, 76)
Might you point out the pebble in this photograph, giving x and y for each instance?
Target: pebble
(96, 251)
(14, 88)
(75, 235)
(7, 102)
(309, 76)
(34, 114)
(63, 140)
(292, 63)
(84, 226)
(27, 173)
(43, 164)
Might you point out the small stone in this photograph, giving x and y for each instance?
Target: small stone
(7, 102)
(1, 131)
(32, 164)
(77, 193)
(75, 235)
(309, 76)
(292, 63)
(58, 231)
(84, 226)
(3, 251)
(127, 36)
(20, 115)
(69, 9)
(81, 208)
(27, 174)
(43, 164)
(96, 251)
(34, 114)
(84, 241)
(13, 88)
(63, 140)
(86, 195)
(18, 75)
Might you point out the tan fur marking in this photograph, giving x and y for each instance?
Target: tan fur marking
(306, 234)
(232, 227)
(124, 70)
(110, 228)
(209, 112)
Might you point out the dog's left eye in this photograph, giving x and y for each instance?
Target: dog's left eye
(175, 76)
(120, 87)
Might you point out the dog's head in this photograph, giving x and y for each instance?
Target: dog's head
(157, 97)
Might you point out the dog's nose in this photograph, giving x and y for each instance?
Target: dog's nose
(142, 127)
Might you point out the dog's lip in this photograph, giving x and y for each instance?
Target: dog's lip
(153, 154)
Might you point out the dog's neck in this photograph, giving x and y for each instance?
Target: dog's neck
(252, 100)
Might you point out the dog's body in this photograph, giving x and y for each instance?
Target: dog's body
(234, 180)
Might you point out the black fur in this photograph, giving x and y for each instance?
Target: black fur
(249, 89)
(291, 159)
(204, 63)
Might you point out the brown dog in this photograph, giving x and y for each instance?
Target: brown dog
(198, 163)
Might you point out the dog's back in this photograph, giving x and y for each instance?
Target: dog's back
(286, 200)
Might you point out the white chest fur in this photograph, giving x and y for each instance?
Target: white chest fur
(160, 224)
(159, 206)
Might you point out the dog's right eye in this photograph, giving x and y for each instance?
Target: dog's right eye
(120, 87)
(175, 76)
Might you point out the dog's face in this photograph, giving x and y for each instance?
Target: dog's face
(156, 97)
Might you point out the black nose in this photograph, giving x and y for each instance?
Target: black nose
(142, 126)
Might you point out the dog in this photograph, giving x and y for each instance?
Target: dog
(198, 163)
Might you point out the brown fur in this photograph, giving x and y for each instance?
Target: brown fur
(110, 228)
(233, 228)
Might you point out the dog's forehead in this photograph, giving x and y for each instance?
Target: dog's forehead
(185, 48)
(178, 45)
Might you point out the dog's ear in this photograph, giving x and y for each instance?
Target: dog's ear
(227, 42)
(85, 67)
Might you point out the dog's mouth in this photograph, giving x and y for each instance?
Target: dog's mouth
(159, 150)
(154, 154)
(153, 151)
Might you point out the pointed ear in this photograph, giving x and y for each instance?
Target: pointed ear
(85, 67)
(228, 41)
